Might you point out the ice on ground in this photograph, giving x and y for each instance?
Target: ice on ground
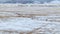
(28, 24)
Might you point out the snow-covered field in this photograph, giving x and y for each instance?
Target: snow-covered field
(31, 8)
(14, 19)
(20, 25)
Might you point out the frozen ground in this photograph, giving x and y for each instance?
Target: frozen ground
(19, 25)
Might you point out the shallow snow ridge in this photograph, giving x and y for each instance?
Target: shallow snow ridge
(19, 25)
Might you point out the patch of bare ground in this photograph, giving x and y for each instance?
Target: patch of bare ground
(24, 15)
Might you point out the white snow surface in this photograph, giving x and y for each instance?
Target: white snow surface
(28, 24)
(22, 24)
